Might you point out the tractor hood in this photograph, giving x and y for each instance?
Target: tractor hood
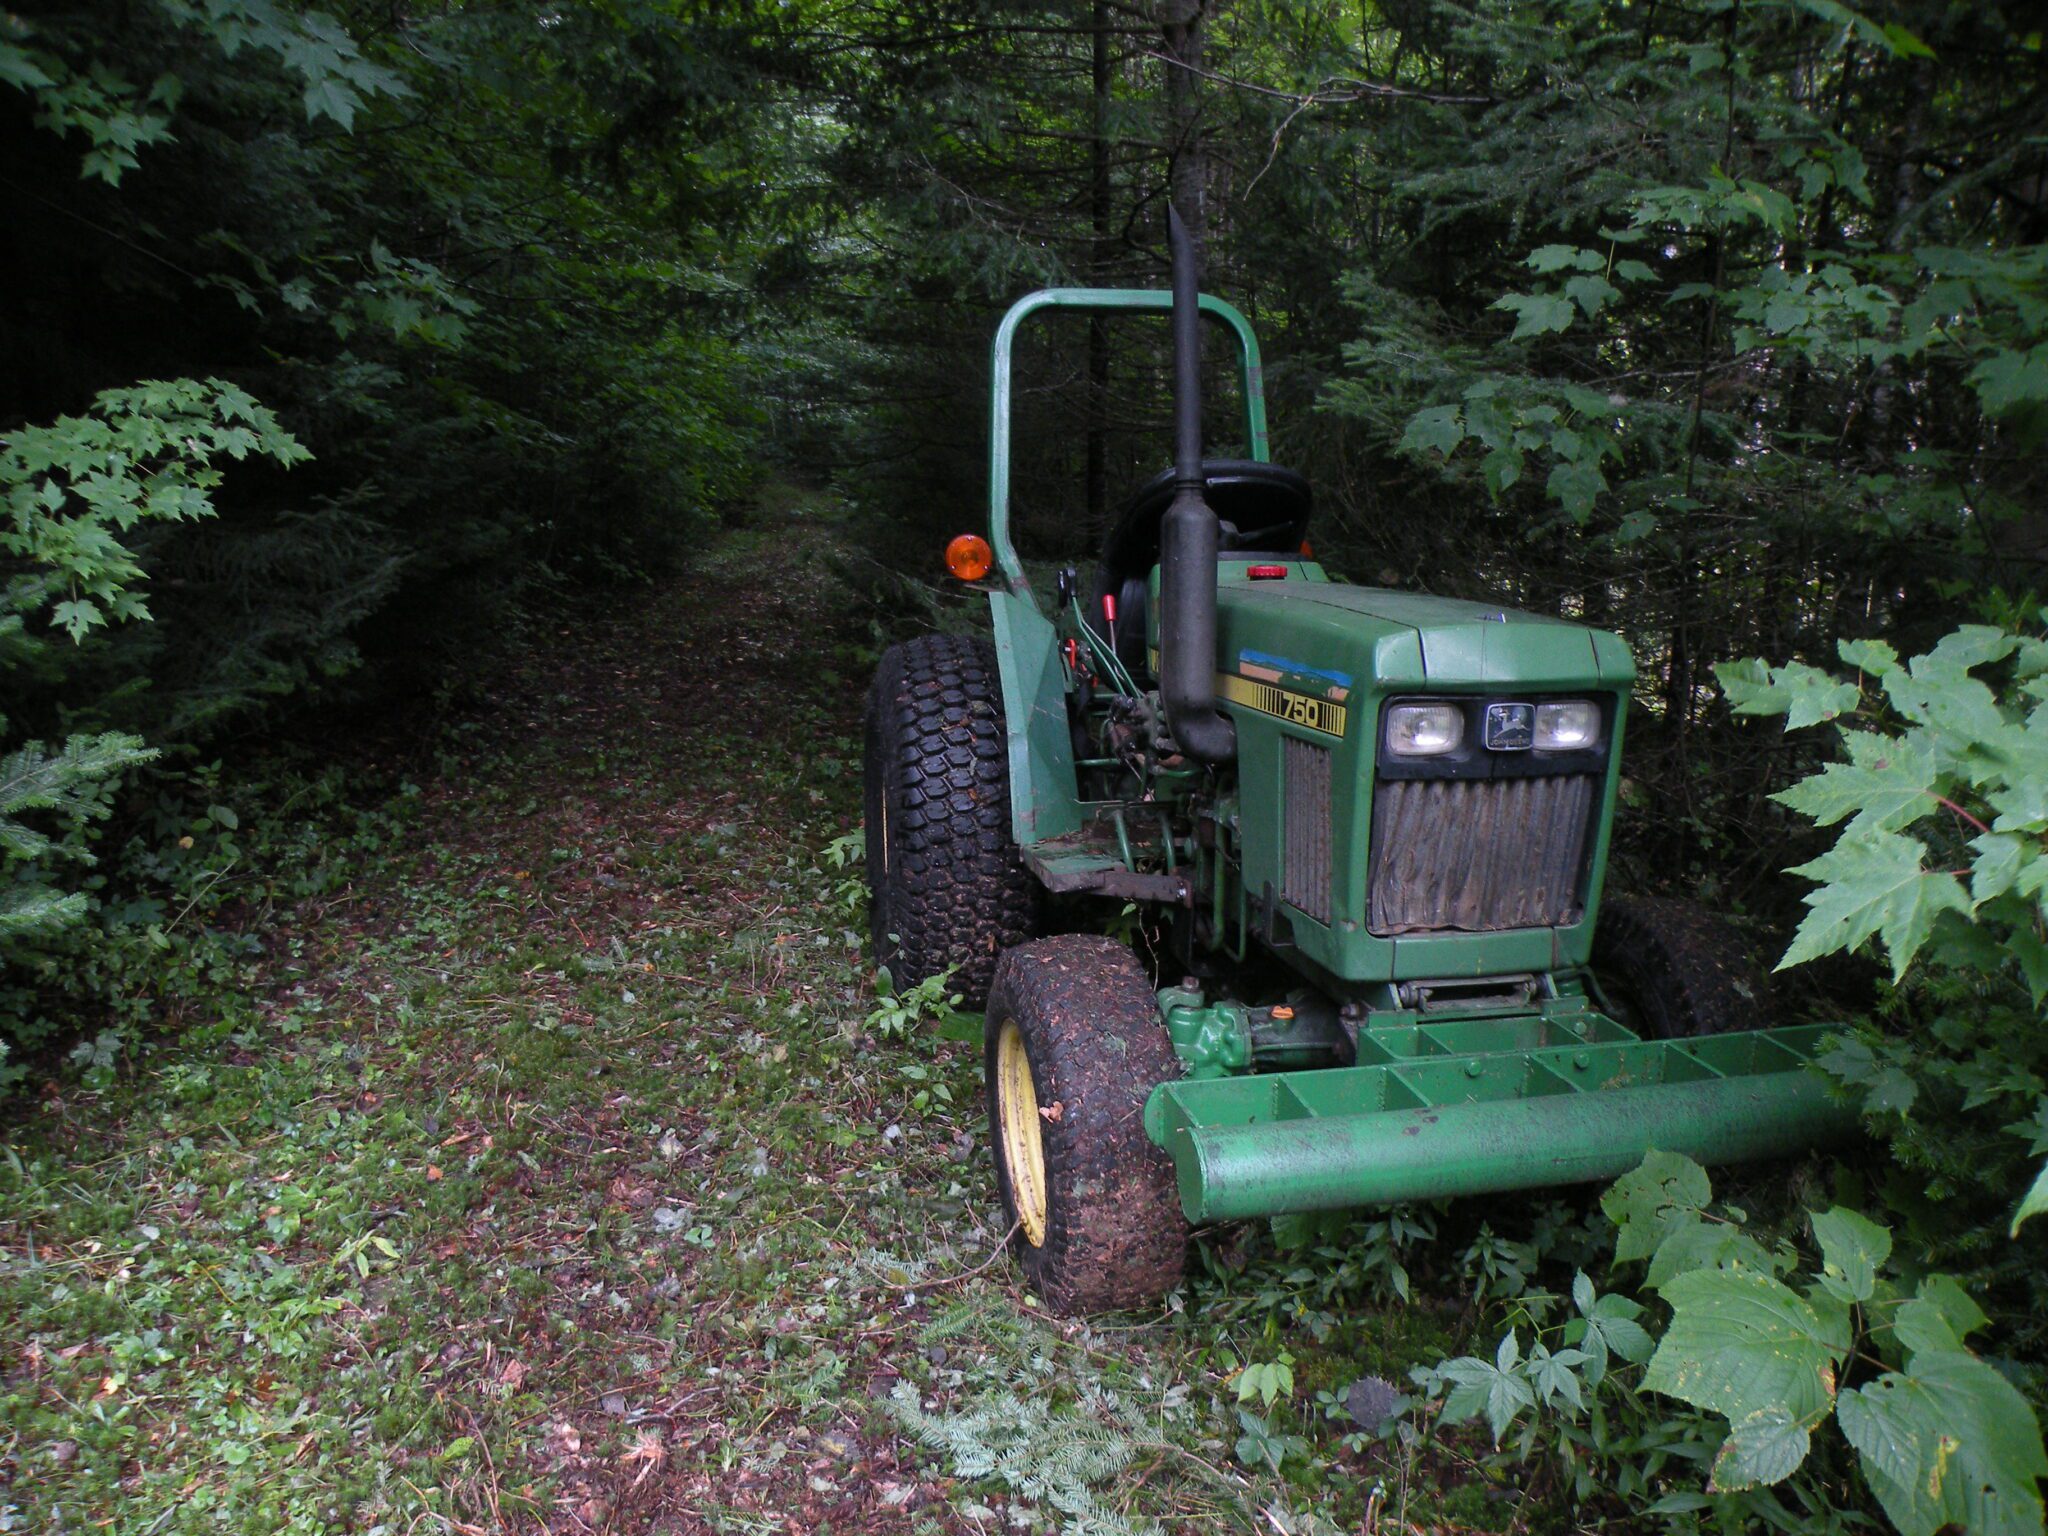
(1376, 640)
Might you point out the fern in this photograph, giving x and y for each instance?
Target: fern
(1042, 1452)
(809, 1388)
(29, 912)
(68, 781)
(965, 1313)
(69, 787)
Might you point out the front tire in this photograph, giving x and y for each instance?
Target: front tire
(1670, 970)
(946, 885)
(1073, 1046)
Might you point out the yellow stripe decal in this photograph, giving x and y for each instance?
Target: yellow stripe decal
(1298, 708)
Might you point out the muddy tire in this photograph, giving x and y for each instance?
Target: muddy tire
(1074, 1044)
(946, 886)
(1671, 970)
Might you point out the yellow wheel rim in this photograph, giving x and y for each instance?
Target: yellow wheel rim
(1023, 1137)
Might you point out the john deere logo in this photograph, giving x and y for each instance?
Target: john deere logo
(1510, 727)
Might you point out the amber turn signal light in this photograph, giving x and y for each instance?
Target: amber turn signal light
(968, 557)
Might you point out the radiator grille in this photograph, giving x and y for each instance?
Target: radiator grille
(1473, 855)
(1305, 850)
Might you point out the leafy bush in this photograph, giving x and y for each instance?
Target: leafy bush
(1940, 792)
(1768, 1347)
(73, 490)
(1832, 1344)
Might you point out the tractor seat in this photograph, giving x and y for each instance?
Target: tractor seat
(1262, 509)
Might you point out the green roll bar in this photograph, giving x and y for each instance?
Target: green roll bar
(1109, 301)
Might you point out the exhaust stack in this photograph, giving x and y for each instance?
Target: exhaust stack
(1187, 540)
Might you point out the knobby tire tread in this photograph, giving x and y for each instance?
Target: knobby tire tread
(1115, 1235)
(953, 889)
(1688, 970)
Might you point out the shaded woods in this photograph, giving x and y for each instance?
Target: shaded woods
(354, 352)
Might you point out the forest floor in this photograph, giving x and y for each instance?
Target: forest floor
(569, 1184)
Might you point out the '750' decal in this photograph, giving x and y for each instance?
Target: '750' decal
(1297, 708)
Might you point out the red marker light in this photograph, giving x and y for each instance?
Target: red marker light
(1266, 572)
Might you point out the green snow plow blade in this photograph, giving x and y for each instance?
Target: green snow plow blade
(1421, 1123)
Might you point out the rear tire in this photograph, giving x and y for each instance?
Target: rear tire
(946, 885)
(1671, 970)
(1074, 1045)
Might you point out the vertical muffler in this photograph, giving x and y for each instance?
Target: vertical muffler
(1187, 539)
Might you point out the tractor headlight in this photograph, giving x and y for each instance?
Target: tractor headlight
(1570, 725)
(1424, 730)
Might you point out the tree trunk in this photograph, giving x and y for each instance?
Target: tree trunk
(1099, 190)
(1180, 22)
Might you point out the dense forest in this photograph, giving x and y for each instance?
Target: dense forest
(371, 363)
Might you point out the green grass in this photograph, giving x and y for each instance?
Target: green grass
(564, 1185)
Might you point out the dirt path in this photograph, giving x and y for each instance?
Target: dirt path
(566, 1186)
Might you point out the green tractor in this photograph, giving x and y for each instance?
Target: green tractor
(1372, 827)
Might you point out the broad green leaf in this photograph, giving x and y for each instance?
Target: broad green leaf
(1949, 1444)
(1501, 468)
(2000, 857)
(1943, 696)
(1741, 1342)
(1873, 883)
(2033, 1203)
(1591, 292)
(1536, 313)
(77, 615)
(1763, 1447)
(1696, 1244)
(1971, 645)
(18, 67)
(1605, 1325)
(1804, 695)
(1872, 656)
(1852, 1246)
(1645, 1203)
(331, 97)
(2010, 380)
(1962, 1314)
(1886, 783)
(1438, 426)
(1554, 1374)
(1615, 1318)
(1495, 1387)
(1747, 686)
(1561, 258)
(1575, 486)
(1921, 1325)
(1884, 1086)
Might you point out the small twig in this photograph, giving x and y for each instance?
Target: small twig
(932, 1285)
(1973, 821)
(1358, 90)
(490, 1468)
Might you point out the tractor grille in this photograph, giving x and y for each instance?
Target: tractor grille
(1305, 851)
(1473, 855)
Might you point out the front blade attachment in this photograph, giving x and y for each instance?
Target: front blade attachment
(1433, 1124)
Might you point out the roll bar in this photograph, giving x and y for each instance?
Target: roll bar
(1111, 301)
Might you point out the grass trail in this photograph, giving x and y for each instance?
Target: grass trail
(565, 1185)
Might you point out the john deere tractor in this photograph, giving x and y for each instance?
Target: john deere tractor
(1372, 828)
